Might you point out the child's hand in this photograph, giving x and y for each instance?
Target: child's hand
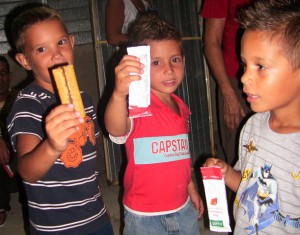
(61, 123)
(217, 162)
(196, 199)
(231, 176)
(198, 203)
(127, 71)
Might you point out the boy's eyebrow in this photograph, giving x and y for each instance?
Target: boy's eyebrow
(179, 54)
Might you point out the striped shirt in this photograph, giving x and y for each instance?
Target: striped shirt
(65, 200)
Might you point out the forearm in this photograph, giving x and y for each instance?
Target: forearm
(117, 39)
(116, 116)
(232, 178)
(192, 188)
(195, 198)
(33, 165)
(217, 67)
(4, 152)
(213, 40)
(114, 20)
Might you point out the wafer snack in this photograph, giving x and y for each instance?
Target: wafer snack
(66, 83)
(67, 87)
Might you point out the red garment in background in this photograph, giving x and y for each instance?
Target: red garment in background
(231, 38)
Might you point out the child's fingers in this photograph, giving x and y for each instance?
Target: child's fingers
(128, 70)
(61, 123)
(129, 58)
(129, 65)
(58, 110)
(210, 162)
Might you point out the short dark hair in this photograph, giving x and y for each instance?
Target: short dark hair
(29, 17)
(5, 61)
(278, 18)
(152, 27)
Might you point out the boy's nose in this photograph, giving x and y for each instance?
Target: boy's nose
(56, 53)
(245, 77)
(168, 67)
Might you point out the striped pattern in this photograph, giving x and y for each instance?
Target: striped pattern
(65, 200)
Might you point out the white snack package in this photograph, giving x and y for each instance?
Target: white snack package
(139, 91)
(216, 200)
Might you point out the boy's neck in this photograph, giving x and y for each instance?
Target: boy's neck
(45, 85)
(284, 124)
(168, 100)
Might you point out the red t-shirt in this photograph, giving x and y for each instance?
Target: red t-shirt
(231, 37)
(159, 164)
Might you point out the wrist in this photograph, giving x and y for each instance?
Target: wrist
(229, 91)
(118, 96)
(227, 169)
(52, 151)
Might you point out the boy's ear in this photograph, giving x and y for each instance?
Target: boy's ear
(72, 40)
(21, 58)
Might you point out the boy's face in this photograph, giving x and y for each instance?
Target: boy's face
(45, 44)
(4, 81)
(167, 66)
(269, 80)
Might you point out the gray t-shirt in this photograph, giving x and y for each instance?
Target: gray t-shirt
(268, 198)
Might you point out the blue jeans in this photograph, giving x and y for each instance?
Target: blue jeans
(182, 222)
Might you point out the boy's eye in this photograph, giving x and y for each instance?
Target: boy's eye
(62, 42)
(41, 49)
(260, 67)
(177, 59)
(155, 63)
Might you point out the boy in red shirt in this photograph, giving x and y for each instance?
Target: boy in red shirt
(159, 193)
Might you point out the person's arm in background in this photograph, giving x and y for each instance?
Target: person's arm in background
(213, 36)
(4, 152)
(114, 19)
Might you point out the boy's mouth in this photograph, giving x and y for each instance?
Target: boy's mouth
(58, 65)
(251, 97)
(169, 83)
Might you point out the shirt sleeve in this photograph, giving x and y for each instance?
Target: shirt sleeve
(121, 139)
(25, 118)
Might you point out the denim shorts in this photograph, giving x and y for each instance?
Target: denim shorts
(182, 222)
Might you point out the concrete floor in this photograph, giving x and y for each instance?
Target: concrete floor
(14, 222)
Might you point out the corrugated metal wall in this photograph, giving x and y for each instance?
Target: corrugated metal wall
(184, 15)
(75, 13)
